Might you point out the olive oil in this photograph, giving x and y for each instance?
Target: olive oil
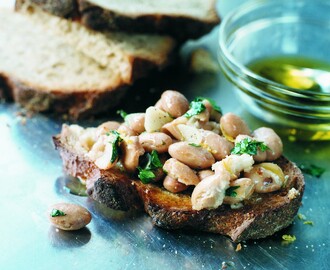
(293, 71)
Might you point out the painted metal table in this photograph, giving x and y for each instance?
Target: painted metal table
(32, 180)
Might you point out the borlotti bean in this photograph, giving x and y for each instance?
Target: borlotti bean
(68, 216)
(188, 147)
(174, 103)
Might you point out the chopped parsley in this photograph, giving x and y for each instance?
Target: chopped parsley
(115, 145)
(147, 174)
(309, 222)
(288, 238)
(57, 213)
(212, 102)
(196, 107)
(231, 191)
(312, 170)
(249, 146)
(122, 113)
(195, 144)
(301, 216)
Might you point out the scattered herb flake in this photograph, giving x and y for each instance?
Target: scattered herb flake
(288, 238)
(196, 107)
(301, 216)
(309, 222)
(312, 170)
(238, 247)
(122, 113)
(249, 146)
(231, 191)
(195, 144)
(57, 213)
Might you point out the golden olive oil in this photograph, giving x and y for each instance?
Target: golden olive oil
(303, 74)
(294, 71)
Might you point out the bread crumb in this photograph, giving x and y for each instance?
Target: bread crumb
(238, 247)
(293, 193)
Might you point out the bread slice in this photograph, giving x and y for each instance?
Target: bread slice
(261, 216)
(183, 19)
(52, 64)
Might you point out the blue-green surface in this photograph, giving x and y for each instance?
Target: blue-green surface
(32, 180)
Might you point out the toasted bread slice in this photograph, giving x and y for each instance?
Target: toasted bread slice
(261, 216)
(184, 19)
(52, 64)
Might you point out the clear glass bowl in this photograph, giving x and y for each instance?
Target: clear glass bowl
(261, 29)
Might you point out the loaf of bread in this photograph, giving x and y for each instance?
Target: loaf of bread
(187, 173)
(51, 64)
(182, 19)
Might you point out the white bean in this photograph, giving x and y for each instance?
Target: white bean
(132, 150)
(69, 217)
(125, 130)
(135, 121)
(204, 173)
(219, 146)
(242, 189)
(158, 141)
(209, 193)
(174, 103)
(101, 152)
(272, 140)
(173, 185)
(194, 157)
(214, 115)
(268, 177)
(232, 125)
(233, 165)
(181, 172)
(107, 126)
(172, 129)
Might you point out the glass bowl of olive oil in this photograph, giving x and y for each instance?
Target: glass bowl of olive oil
(277, 55)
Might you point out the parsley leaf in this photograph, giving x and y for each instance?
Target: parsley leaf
(212, 102)
(154, 160)
(196, 107)
(57, 213)
(231, 191)
(122, 113)
(115, 145)
(312, 170)
(249, 146)
(147, 174)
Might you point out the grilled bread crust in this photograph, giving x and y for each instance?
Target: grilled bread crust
(181, 25)
(261, 216)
